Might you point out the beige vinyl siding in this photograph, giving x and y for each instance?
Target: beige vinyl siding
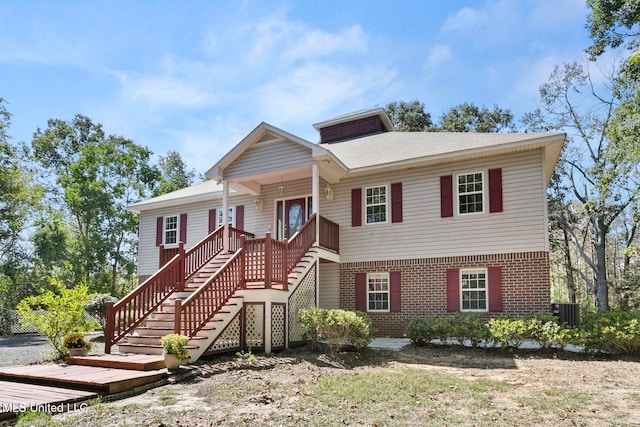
(269, 157)
(329, 288)
(255, 222)
(197, 227)
(423, 233)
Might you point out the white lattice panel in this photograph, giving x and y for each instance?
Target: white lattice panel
(303, 297)
(277, 325)
(230, 338)
(254, 325)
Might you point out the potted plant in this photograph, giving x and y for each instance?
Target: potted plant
(76, 344)
(175, 351)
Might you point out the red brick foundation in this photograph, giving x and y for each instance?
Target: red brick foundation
(525, 286)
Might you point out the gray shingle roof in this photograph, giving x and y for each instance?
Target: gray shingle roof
(398, 147)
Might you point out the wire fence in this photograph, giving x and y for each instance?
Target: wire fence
(17, 328)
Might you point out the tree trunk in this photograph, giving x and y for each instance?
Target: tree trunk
(571, 285)
(601, 287)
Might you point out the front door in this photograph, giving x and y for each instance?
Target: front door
(294, 216)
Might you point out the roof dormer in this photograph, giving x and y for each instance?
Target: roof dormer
(353, 125)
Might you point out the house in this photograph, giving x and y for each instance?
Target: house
(396, 224)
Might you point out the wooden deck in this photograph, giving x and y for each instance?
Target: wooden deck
(80, 377)
(56, 388)
(18, 397)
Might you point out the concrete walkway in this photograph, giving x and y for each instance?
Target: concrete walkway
(394, 344)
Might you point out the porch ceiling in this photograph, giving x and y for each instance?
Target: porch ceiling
(253, 184)
(328, 169)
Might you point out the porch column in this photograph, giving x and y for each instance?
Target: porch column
(315, 189)
(315, 197)
(225, 215)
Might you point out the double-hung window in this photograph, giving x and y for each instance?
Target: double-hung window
(473, 288)
(375, 202)
(378, 291)
(229, 217)
(471, 193)
(171, 230)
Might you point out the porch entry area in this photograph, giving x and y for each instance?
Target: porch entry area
(291, 214)
(231, 290)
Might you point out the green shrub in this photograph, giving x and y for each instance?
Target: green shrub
(56, 315)
(507, 332)
(467, 327)
(312, 319)
(544, 329)
(337, 327)
(420, 330)
(460, 327)
(612, 331)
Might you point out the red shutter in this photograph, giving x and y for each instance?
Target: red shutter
(453, 289)
(159, 229)
(356, 207)
(361, 291)
(495, 190)
(394, 292)
(183, 228)
(495, 288)
(240, 217)
(212, 219)
(446, 196)
(396, 202)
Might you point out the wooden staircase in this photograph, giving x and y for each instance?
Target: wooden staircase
(199, 292)
(145, 339)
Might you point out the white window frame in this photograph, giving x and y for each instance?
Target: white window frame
(383, 276)
(483, 192)
(476, 271)
(386, 204)
(220, 218)
(165, 230)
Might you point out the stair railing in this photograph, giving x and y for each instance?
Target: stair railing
(256, 260)
(192, 314)
(130, 311)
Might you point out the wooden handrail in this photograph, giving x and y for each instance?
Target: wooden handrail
(301, 242)
(194, 312)
(131, 310)
(262, 259)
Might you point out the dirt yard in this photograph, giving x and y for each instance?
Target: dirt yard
(415, 386)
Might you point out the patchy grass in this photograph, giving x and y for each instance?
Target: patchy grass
(414, 387)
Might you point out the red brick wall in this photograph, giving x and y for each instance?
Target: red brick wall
(525, 285)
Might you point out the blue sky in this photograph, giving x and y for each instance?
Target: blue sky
(197, 76)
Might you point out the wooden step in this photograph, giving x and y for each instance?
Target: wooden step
(90, 378)
(146, 348)
(154, 339)
(134, 362)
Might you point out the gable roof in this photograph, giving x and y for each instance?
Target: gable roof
(370, 153)
(264, 132)
(207, 190)
(403, 149)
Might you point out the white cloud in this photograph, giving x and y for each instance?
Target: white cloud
(466, 20)
(290, 41)
(439, 54)
(316, 43)
(162, 92)
(309, 92)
